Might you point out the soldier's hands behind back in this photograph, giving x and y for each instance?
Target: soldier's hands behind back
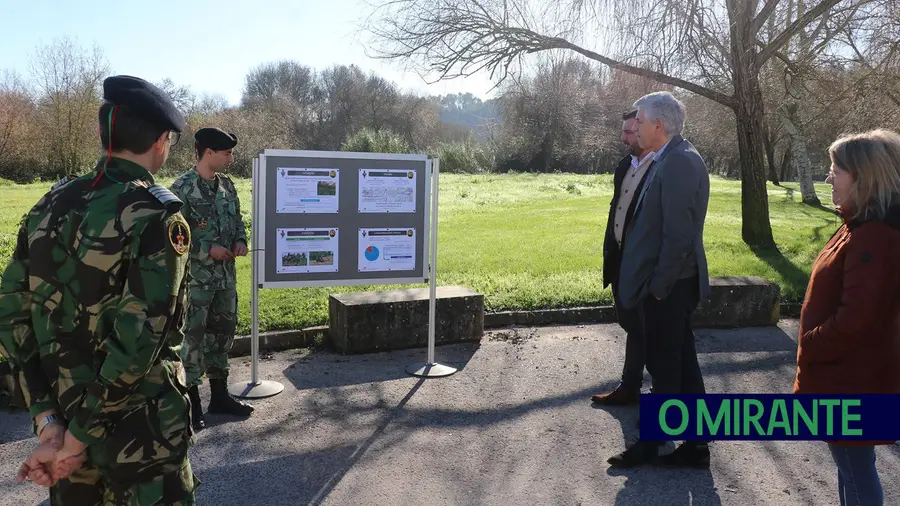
(39, 466)
(220, 253)
(69, 458)
(54, 431)
(239, 249)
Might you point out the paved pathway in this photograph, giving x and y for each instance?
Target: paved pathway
(514, 426)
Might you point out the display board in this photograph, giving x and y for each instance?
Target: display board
(333, 218)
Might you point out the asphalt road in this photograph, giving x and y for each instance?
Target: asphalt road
(514, 426)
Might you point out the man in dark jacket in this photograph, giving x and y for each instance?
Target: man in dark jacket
(627, 182)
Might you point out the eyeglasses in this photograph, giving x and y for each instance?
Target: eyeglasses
(174, 138)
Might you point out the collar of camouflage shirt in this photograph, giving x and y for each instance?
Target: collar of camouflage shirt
(122, 171)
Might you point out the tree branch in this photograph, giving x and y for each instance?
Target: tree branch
(801, 23)
(787, 61)
(762, 16)
(713, 95)
(460, 38)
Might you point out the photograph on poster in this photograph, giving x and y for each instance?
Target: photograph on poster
(307, 190)
(387, 249)
(387, 191)
(303, 250)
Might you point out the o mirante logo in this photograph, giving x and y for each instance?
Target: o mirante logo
(770, 417)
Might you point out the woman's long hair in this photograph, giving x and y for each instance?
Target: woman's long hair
(873, 159)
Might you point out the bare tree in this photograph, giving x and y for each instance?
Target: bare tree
(343, 102)
(550, 120)
(181, 95)
(812, 56)
(383, 98)
(208, 104)
(15, 107)
(68, 79)
(16, 129)
(713, 48)
(284, 81)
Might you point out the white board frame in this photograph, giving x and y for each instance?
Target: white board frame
(258, 220)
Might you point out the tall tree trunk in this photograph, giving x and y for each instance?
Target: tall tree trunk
(755, 227)
(756, 230)
(770, 157)
(546, 153)
(799, 155)
(786, 163)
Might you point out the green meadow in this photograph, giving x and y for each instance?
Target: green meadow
(531, 241)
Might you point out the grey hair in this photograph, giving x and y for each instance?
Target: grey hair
(663, 105)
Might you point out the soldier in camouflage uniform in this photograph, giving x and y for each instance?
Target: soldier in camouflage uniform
(213, 210)
(11, 396)
(92, 309)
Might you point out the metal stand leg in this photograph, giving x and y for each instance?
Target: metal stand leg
(255, 389)
(430, 369)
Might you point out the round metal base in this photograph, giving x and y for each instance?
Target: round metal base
(426, 370)
(259, 390)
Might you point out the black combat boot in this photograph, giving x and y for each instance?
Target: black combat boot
(196, 409)
(222, 402)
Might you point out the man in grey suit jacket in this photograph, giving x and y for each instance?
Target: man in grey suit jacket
(663, 273)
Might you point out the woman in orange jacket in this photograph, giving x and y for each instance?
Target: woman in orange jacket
(849, 340)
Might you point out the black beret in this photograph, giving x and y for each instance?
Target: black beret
(215, 139)
(145, 100)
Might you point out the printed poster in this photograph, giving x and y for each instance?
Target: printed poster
(307, 190)
(387, 191)
(387, 249)
(304, 250)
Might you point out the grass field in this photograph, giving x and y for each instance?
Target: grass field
(532, 241)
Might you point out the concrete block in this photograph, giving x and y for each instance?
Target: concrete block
(739, 301)
(395, 319)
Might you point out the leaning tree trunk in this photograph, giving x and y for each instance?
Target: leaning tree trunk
(756, 230)
(799, 156)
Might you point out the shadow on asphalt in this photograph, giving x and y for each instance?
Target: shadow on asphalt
(327, 369)
(326, 488)
(745, 340)
(304, 478)
(676, 487)
(651, 485)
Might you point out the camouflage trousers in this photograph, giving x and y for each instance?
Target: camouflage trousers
(143, 461)
(209, 334)
(89, 487)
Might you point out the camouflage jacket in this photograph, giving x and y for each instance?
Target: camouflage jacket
(213, 212)
(10, 392)
(92, 303)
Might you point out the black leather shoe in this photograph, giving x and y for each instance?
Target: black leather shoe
(197, 420)
(638, 454)
(222, 402)
(694, 455)
(618, 397)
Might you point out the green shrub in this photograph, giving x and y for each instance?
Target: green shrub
(368, 140)
(465, 158)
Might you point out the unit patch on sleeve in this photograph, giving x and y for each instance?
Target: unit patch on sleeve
(179, 236)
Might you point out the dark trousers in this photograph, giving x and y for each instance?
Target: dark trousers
(670, 351)
(633, 370)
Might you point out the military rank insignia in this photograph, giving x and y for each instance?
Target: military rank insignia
(179, 237)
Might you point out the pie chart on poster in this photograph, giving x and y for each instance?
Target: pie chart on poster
(371, 253)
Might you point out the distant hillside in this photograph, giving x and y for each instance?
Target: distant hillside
(468, 111)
